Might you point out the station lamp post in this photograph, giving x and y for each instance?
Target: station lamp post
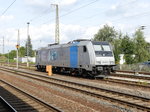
(142, 27)
(27, 44)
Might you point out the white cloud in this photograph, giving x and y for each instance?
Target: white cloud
(67, 2)
(114, 7)
(143, 5)
(6, 18)
(38, 2)
(109, 23)
(9, 35)
(45, 34)
(147, 36)
(72, 32)
(121, 8)
(48, 2)
(67, 32)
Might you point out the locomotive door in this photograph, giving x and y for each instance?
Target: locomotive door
(73, 56)
(84, 56)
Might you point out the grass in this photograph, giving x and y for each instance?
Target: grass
(142, 83)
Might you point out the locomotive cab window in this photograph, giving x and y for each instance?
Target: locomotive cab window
(106, 47)
(84, 49)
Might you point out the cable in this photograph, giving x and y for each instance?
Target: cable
(74, 10)
(136, 15)
(95, 14)
(107, 10)
(79, 8)
(115, 20)
(8, 7)
(40, 15)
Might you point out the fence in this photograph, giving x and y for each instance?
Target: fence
(134, 67)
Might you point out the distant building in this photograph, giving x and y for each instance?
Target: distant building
(24, 59)
(122, 60)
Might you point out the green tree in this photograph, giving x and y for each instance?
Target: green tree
(128, 48)
(33, 52)
(12, 54)
(116, 50)
(28, 47)
(141, 47)
(22, 51)
(106, 34)
(117, 46)
(126, 45)
(148, 49)
(109, 34)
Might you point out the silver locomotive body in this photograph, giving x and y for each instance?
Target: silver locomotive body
(80, 57)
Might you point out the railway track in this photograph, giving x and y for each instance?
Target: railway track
(133, 72)
(23, 66)
(5, 106)
(129, 100)
(139, 84)
(17, 100)
(136, 76)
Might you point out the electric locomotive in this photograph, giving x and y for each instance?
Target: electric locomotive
(78, 57)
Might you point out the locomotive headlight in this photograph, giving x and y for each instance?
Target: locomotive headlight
(112, 62)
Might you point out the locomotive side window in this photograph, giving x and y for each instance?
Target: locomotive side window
(53, 55)
(84, 49)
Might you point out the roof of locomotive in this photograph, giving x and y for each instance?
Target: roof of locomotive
(71, 43)
(79, 42)
(100, 42)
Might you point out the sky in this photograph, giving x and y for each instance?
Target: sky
(78, 19)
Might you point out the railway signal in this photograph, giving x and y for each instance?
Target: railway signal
(17, 46)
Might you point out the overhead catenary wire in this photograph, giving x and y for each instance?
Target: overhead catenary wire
(120, 5)
(83, 6)
(8, 8)
(79, 8)
(113, 21)
(40, 15)
(3, 14)
(136, 15)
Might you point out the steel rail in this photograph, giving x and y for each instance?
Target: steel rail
(7, 105)
(139, 106)
(133, 72)
(129, 76)
(125, 82)
(49, 106)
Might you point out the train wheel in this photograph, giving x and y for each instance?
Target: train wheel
(38, 68)
(84, 73)
(80, 72)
